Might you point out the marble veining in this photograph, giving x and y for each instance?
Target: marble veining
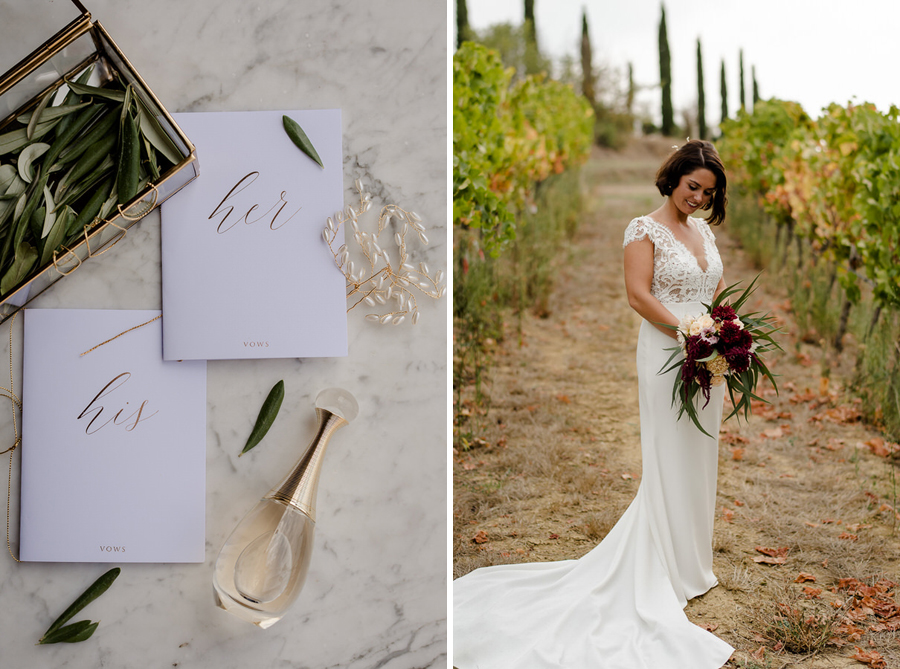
(376, 592)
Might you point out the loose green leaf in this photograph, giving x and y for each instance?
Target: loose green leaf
(86, 184)
(16, 139)
(8, 175)
(298, 137)
(51, 114)
(72, 98)
(129, 160)
(25, 258)
(109, 204)
(38, 112)
(57, 234)
(87, 116)
(20, 203)
(88, 161)
(154, 133)
(108, 93)
(73, 633)
(266, 416)
(151, 158)
(90, 210)
(93, 591)
(36, 222)
(26, 159)
(49, 213)
(100, 129)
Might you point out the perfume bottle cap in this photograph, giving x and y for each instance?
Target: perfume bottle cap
(339, 402)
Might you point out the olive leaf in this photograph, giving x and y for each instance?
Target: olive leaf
(50, 114)
(94, 91)
(36, 116)
(129, 159)
(49, 213)
(154, 133)
(266, 417)
(27, 157)
(57, 234)
(16, 139)
(102, 128)
(73, 633)
(25, 258)
(8, 175)
(83, 629)
(298, 137)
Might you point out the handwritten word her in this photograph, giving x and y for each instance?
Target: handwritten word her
(227, 210)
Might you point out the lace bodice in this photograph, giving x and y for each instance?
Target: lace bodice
(677, 276)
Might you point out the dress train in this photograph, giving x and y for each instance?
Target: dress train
(620, 606)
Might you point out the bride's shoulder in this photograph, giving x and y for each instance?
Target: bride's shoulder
(639, 228)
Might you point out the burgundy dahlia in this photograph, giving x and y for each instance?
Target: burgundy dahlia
(730, 333)
(738, 359)
(723, 312)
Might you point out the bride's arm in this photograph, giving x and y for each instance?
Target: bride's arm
(720, 287)
(638, 278)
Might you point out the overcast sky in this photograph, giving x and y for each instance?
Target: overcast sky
(812, 51)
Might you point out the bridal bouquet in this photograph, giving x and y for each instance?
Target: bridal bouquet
(719, 347)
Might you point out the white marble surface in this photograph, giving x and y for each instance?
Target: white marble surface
(376, 593)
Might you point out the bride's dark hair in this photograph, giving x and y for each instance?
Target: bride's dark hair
(693, 155)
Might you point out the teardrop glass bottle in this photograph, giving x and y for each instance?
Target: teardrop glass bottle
(263, 564)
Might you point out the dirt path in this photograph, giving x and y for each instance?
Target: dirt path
(557, 457)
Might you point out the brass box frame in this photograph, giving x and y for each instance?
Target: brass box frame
(90, 44)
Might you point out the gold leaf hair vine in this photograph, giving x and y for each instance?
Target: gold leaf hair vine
(387, 283)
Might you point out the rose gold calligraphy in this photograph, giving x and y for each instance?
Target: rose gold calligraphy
(130, 421)
(231, 219)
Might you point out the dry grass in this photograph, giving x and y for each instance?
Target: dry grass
(558, 455)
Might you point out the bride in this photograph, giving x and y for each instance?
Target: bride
(621, 606)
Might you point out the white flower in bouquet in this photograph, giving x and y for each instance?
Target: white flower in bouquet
(703, 324)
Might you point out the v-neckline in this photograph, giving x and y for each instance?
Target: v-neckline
(684, 246)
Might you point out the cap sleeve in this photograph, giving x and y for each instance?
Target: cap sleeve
(637, 230)
(705, 229)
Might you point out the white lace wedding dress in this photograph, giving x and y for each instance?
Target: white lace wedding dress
(621, 606)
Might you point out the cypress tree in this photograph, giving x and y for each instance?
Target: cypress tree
(755, 86)
(629, 101)
(587, 69)
(530, 25)
(665, 77)
(533, 61)
(462, 22)
(741, 64)
(701, 95)
(723, 89)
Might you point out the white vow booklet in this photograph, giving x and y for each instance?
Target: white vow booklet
(113, 442)
(245, 271)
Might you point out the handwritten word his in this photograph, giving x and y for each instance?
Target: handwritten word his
(117, 419)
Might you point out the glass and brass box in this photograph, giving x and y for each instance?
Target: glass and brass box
(36, 80)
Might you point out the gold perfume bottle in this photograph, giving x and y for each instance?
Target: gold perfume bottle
(262, 566)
